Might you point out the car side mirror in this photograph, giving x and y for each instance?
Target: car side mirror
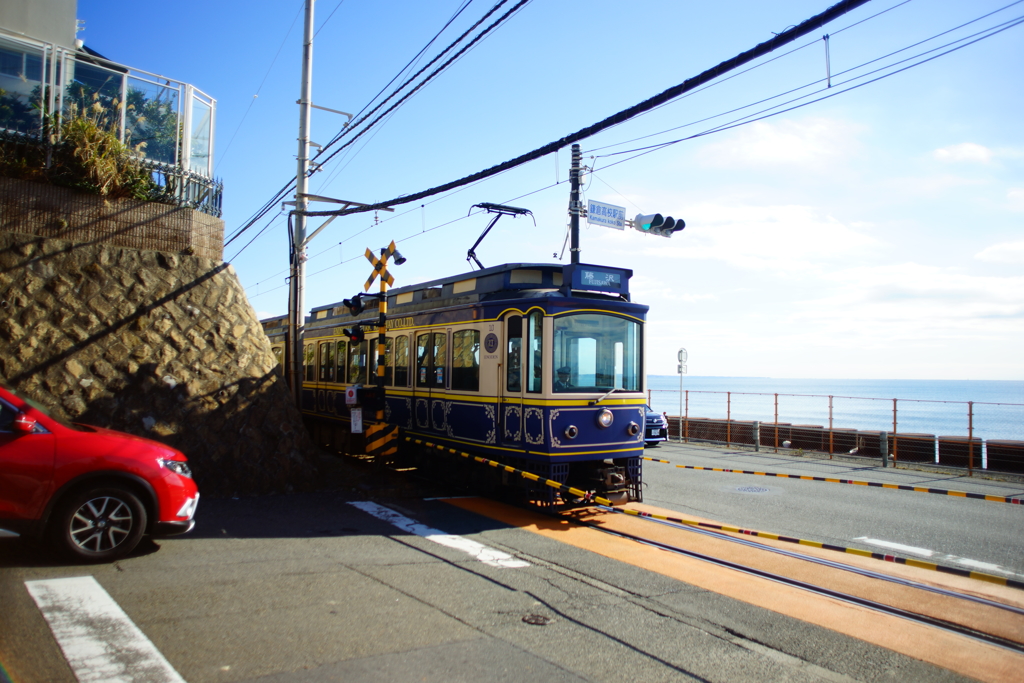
(23, 424)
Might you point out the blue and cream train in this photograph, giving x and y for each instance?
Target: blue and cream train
(536, 366)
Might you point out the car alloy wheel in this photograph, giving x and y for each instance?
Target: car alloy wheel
(101, 524)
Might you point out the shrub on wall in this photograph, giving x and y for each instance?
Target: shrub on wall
(80, 150)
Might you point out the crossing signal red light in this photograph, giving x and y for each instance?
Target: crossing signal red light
(355, 334)
(354, 305)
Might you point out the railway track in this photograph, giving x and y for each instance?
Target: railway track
(983, 608)
(945, 624)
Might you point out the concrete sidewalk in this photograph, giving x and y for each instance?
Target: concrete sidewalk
(838, 466)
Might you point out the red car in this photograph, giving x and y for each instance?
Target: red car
(92, 493)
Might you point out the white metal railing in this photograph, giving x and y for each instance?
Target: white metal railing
(166, 121)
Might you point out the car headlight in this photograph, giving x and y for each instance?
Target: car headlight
(177, 466)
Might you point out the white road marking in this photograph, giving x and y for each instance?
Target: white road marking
(940, 558)
(99, 641)
(490, 556)
(909, 549)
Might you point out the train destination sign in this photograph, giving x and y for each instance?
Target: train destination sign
(608, 215)
(597, 278)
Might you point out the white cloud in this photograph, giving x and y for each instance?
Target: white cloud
(894, 303)
(966, 151)
(786, 239)
(807, 143)
(1015, 196)
(899, 320)
(929, 186)
(1004, 252)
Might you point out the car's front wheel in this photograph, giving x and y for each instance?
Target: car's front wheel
(99, 525)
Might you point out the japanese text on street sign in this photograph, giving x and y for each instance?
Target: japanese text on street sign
(608, 215)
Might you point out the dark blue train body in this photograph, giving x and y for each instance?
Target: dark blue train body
(537, 366)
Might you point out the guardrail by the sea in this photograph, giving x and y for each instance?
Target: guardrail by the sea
(961, 434)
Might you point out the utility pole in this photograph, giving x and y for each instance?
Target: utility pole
(574, 205)
(297, 294)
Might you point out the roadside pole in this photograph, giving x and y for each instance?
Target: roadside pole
(681, 369)
(574, 205)
(297, 294)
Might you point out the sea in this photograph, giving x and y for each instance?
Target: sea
(989, 409)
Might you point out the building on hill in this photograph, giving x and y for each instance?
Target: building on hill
(167, 123)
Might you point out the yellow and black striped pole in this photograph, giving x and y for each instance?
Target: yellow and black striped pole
(382, 329)
(379, 435)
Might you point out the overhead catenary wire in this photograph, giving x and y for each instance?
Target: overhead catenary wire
(831, 92)
(290, 185)
(359, 118)
(498, 22)
(783, 38)
(812, 83)
(499, 4)
(759, 65)
(645, 150)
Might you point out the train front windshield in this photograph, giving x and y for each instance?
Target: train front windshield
(595, 352)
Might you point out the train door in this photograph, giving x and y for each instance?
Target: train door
(521, 424)
(431, 380)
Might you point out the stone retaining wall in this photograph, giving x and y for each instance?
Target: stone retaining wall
(162, 345)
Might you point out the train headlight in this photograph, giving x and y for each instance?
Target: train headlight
(571, 432)
(633, 429)
(605, 419)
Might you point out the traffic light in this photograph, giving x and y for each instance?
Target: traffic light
(355, 334)
(354, 305)
(656, 224)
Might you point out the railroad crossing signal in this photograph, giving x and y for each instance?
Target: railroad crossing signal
(656, 224)
(380, 265)
(356, 334)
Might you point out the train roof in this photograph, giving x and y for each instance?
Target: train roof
(507, 281)
(510, 280)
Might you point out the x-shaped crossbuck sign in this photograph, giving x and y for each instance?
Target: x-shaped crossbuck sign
(380, 266)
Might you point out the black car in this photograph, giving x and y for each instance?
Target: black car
(655, 427)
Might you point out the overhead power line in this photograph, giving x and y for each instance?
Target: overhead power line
(784, 38)
(480, 36)
(290, 185)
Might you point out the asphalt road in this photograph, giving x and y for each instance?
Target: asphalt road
(308, 587)
(958, 531)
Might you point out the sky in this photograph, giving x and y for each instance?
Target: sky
(870, 230)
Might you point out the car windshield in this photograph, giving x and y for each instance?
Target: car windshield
(596, 352)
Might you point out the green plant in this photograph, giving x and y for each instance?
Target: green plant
(80, 149)
(88, 155)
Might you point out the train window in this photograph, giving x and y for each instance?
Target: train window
(431, 359)
(595, 352)
(422, 359)
(278, 352)
(514, 354)
(402, 361)
(309, 362)
(357, 363)
(327, 362)
(440, 358)
(388, 360)
(341, 356)
(534, 356)
(466, 360)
